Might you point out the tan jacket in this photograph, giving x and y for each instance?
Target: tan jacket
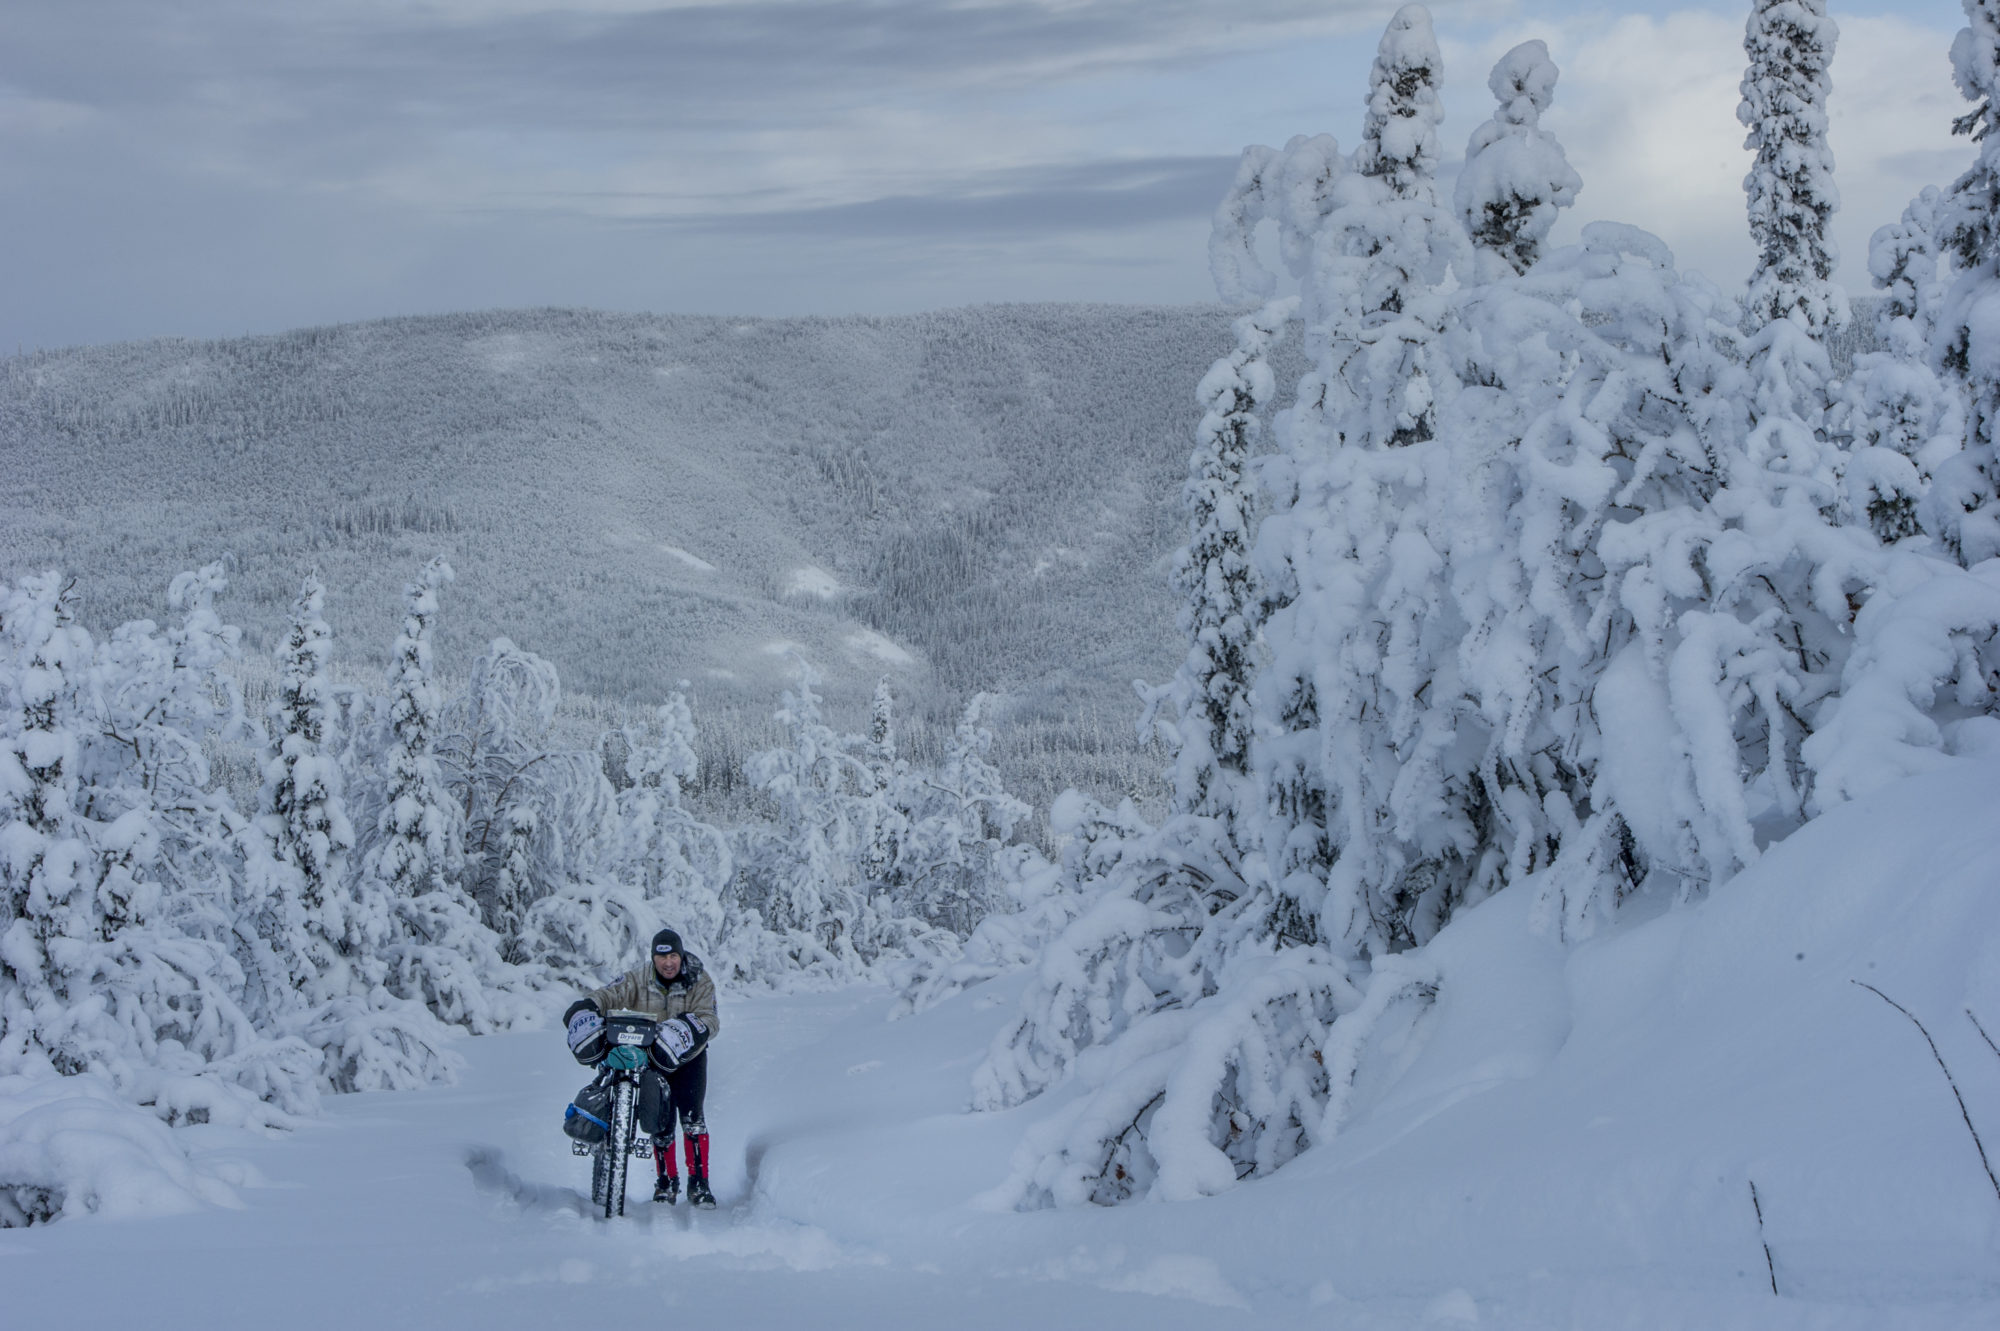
(640, 990)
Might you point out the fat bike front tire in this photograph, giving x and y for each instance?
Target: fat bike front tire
(618, 1146)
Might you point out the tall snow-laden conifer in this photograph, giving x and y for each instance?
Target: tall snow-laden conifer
(54, 869)
(1222, 609)
(1784, 577)
(416, 850)
(438, 952)
(1215, 1022)
(300, 916)
(1790, 187)
(1900, 419)
(1599, 424)
(1357, 537)
(1516, 176)
(882, 733)
(672, 855)
(1903, 260)
(888, 821)
(1964, 502)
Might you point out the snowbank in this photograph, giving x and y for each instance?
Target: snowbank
(73, 1146)
(1572, 1121)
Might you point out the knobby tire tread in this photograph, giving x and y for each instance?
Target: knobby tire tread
(619, 1147)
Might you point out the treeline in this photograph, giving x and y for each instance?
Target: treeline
(413, 861)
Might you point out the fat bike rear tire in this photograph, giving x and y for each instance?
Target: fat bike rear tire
(618, 1146)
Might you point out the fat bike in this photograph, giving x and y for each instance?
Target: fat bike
(629, 1036)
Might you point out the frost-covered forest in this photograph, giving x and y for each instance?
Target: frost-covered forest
(973, 500)
(1532, 598)
(1557, 571)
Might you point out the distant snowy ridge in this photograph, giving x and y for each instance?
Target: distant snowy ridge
(649, 499)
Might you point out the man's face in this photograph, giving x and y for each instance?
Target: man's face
(666, 965)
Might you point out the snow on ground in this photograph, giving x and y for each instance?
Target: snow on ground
(695, 562)
(1570, 1142)
(813, 581)
(869, 643)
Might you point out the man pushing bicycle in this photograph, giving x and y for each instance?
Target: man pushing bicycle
(673, 988)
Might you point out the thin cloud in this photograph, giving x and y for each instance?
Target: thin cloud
(1084, 197)
(593, 66)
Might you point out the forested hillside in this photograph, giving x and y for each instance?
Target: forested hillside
(974, 499)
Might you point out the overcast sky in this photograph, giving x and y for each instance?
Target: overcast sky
(214, 167)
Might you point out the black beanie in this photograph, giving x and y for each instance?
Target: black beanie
(667, 939)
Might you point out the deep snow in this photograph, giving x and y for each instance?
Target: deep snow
(1568, 1139)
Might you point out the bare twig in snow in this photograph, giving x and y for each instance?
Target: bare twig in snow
(1982, 1033)
(1769, 1265)
(1949, 1079)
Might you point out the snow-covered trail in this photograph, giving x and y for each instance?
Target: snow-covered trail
(463, 1207)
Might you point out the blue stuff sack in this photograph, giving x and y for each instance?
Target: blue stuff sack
(588, 1117)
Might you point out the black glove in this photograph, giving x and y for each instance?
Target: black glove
(679, 1040)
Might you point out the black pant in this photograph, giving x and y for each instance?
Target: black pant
(681, 1090)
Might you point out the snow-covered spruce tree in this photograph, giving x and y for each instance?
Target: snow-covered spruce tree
(882, 733)
(1215, 1054)
(1222, 610)
(95, 974)
(1663, 574)
(1784, 578)
(512, 887)
(1897, 416)
(1357, 704)
(675, 858)
(422, 924)
(1904, 262)
(1516, 176)
(1963, 507)
(297, 914)
(1596, 424)
(1790, 187)
(888, 816)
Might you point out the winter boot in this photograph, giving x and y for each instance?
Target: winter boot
(667, 1184)
(695, 1138)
